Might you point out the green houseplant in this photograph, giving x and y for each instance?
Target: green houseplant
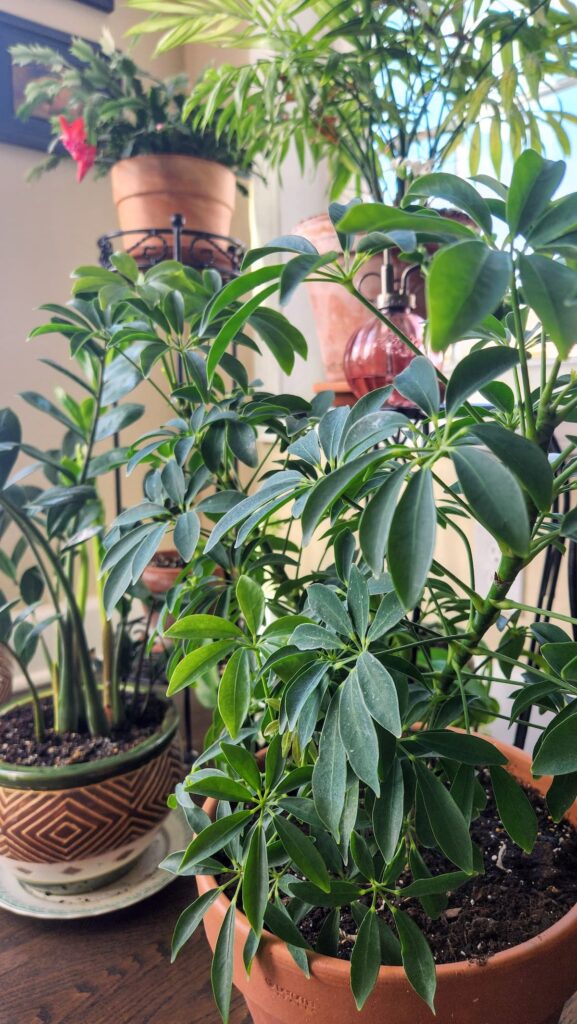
(65, 749)
(123, 121)
(96, 726)
(383, 92)
(375, 86)
(356, 826)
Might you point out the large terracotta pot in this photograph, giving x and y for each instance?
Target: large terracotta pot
(336, 313)
(76, 827)
(528, 984)
(148, 190)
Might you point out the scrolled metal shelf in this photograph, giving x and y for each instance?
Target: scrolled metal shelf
(198, 249)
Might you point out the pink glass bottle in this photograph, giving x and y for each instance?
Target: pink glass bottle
(374, 355)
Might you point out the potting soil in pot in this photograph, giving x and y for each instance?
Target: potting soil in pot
(518, 897)
(18, 745)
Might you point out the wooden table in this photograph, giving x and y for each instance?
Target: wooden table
(113, 969)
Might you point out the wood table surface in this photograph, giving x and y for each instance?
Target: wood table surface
(113, 969)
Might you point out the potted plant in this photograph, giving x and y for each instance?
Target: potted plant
(88, 757)
(383, 94)
(379, 828)
(118, 119)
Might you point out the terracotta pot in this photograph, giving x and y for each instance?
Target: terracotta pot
(148, 190)
(528, 984)
(160, 578)
(336, 313)
(5, 674)
(76, 827)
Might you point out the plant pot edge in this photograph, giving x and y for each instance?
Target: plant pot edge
(332, 971)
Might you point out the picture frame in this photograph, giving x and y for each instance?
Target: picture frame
(101, 5)
(35, 132)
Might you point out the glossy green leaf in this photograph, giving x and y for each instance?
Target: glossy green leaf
(186, 534)
(388, 811)
(330, 771)
(551, 290)
(417, 958)
(300, 689)
(329, 488)
(388, 615)
(358, 733)
(418, 382)
(327, 606)
(10, 435)
(365, 959)
(466, 749)
(466, 283)
(455, 191)
(515, 810)
(376, 520)
(190, 919)
(213, 783)
(234, 692)
(561, 795)
(524, 458)
(194, 664)
(358, 600)
(222, 964)
(412, 538)
(474, 371)
(214, 837)
(243, 763)
(557, 754)
(303, 853)
(251, 601)
(378, 217)
(204, 627)
(379, 693)
(255, 880)
(280, 923)
(447, 823)
(533, 182)
(495, 497)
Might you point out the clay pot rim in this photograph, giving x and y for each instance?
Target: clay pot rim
(141, 157)
(72, 776)
(339, 969)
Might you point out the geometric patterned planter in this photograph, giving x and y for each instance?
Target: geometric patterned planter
(80, 826)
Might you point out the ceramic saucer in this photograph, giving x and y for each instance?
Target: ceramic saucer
(142, 880)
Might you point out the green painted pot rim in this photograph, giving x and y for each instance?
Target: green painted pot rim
(72, 776)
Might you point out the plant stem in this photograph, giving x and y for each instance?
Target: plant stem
(37, 709)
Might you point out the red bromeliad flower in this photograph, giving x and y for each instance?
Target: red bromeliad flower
(73, 138)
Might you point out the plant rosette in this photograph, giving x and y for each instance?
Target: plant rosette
(467, 992)
(76, 827)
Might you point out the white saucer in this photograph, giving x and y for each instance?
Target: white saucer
(142, 880)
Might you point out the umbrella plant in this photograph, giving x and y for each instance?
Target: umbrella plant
(380, 87)
(356, 688)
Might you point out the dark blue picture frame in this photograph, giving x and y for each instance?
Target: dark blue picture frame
(102, 5)
(34, 133)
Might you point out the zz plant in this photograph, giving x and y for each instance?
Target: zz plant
(128, 330)
(355, 690)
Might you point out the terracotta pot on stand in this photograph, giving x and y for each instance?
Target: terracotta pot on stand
(147, 190)
(528, 984)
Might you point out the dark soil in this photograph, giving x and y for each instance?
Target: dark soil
(18, 745)
(167, 560)
(518, 897)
